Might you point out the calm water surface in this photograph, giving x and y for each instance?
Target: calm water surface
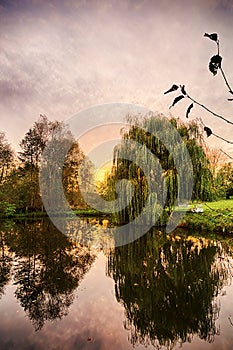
(159, 292)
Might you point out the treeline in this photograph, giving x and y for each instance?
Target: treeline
(19, 172)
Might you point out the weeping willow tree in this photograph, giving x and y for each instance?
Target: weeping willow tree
(202, 176)
(149, 164)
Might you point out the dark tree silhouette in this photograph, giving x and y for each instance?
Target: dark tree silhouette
(168, 286)
(215, 65)
(5, 263)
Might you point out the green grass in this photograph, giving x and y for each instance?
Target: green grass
(225, 204)
(217, 217)
(86, 212)
(38, 214)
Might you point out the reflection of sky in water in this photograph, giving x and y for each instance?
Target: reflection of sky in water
(95, 319)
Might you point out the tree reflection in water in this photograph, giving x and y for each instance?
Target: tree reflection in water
(5, 263)
(47, 269)
(168, 287)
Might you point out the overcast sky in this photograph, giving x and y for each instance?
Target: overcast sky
(58, 57)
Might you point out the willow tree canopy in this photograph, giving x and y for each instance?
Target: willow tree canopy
(147, 156)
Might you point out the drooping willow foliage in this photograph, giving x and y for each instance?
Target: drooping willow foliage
(155, 176)
(168, 287)
(202, 175)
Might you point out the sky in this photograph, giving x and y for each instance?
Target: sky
(60, 57)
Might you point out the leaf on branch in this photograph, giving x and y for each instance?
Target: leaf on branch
(177, 99)
(208, 131)
(213, 36)
(183, 90)
(188, 110)
(215, 63)
(173, 88)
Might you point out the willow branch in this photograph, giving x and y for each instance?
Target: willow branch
(209, 110)
(225, 79)
(222, 71)
(221, 138)
(218, 46)
(226, 154)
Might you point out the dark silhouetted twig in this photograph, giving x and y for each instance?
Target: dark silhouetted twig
(226, 154)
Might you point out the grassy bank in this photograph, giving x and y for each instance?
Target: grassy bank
(216, 217)
(41, 214)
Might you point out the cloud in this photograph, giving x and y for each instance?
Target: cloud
(62, 56)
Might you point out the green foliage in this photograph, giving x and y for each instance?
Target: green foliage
(35, 140)
(220, 222)
(21, 185)
(220, 205)
(22, 189)
(134, 171)
(217, 217)
(6, 157)
(202, 176)
(7, 209)
(225, 178)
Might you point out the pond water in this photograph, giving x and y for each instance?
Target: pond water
(159, 292)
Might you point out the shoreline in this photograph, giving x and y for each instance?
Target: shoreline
(217, 217)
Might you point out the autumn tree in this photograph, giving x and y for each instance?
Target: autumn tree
(32, 146)
(77, 175)
(6, 167)
(6, 157)
(22, 186)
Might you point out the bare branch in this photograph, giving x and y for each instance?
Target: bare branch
(209, 110)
